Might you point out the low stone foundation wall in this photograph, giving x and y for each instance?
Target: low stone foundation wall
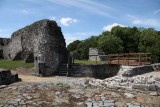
(97, 71)
(7, 77)
(136, 84)
(137, 70)
(102, 71)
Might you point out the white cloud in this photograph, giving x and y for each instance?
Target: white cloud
(151, 22)
(139, 21)
(109, 27)
(52, 18)
(157, 11)
(67, 21)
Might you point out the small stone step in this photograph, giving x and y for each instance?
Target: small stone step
(63, 71)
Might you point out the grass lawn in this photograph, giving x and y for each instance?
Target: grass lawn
(9, 64)
(89, 62)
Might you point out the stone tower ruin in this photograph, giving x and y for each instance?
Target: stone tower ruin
(42, 42)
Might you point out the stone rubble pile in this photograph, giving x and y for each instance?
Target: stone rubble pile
(81, 92)
(7, 77)
(138, 83)
(36, 94)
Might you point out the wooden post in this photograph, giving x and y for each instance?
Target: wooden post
(139, 58)
(118, 58)
(128, 58)
(109, 59)
(96, 59)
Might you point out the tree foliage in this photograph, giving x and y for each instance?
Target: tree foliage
(121, 40)
(83, 47)
(73, 46)
(150, 42)
(129, 36)
(110, 43)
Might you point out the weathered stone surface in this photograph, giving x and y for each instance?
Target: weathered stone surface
(129, 95)
(42, 42)
(96, 55)
(97, 71)
(137, 70)
(3, 42)
(7, 77)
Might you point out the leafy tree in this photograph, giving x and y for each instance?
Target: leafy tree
(109, 43)
(73, 46)
(83, 48)
(150, 42)
(121, 39)
(129, 36)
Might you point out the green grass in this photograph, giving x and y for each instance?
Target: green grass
(9, 64)
(89, 62)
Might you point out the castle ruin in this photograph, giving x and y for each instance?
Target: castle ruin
(96, 55)
(41, 42)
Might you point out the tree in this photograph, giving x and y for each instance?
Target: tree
(73, 46)
(150, 42)
(110, 44)
(83, 47)
(129, 37)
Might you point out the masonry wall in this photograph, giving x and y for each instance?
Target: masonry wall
(44, 41)
(3, 43)
(97, 71)
(7, 77)
(102, 71)
(137, 70)
(96, 55)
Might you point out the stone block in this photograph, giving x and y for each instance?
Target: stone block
(6, 77)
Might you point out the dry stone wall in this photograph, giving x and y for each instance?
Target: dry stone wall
(3, 42)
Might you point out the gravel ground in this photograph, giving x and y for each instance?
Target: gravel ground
(58, 91)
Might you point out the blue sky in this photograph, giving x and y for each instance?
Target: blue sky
(79, 19)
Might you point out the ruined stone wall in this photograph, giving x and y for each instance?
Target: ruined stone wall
(138, 70)
(15, 48)
(3, 42)
(42, 39)
(95, 54)
(100, 71)
(108, 70)
(7, 77)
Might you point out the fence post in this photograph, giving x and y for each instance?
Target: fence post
(118, 58)
(139, 58)
(109, 60)
(96, 59)
(128, 58)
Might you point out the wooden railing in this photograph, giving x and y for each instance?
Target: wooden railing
(130, 58)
